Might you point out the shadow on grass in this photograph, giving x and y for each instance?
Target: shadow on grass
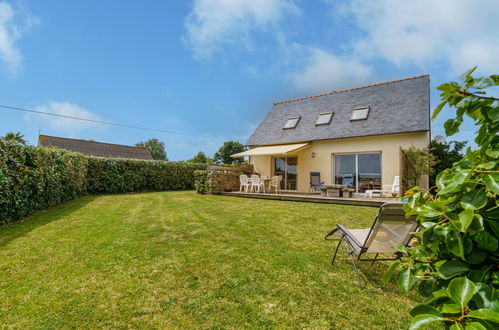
(14, 230)
(371, 276)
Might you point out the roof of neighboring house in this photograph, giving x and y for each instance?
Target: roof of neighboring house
(93, 148)
(397, 106)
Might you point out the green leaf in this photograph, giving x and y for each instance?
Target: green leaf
(483, 82)
(404, 279)
(461, 290)
(465, 219)
(467, 73)
(451, 268)
(486, 241)
(437, 110)
(452, 126)
(424, 320)
(491, 180)
(475, 199)
(487, 297)
(447, 87)
(476, 256)
(492, 152)
(475, 326)
(424, 309)
(485, 314)
(426, 287)
(455, 244)
(456, 326)
(389, 273)
(451, 309)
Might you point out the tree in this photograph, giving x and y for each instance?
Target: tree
(200, 158)
(418, 162)
(222, 156)
(454, 261)
(156, 147)
(447, 153)
(15, 137)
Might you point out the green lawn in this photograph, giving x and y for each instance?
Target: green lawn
(178, 259)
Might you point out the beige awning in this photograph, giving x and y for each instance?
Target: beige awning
(272, 150)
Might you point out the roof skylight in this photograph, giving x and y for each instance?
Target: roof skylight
(291, 122)
(324, 118)
(360, 113)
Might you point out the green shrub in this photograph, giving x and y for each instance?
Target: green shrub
(33, 179)
(201, 181)
(36, 178)
(107, 175)
(455, 262)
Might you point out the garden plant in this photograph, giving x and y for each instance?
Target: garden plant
(454, 262)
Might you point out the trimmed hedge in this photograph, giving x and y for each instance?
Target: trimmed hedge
(108, 175)
(36, 178)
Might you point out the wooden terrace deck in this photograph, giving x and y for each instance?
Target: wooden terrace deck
(312, 198)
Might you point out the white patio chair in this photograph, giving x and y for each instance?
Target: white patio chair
(256, 183)
(243, 183)
(275, 183)
(390, 229)
(390, 190)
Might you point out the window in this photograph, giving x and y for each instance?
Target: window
(324, 118)
(358, 171)
(287, 167)
(291, 122)
(360, 113)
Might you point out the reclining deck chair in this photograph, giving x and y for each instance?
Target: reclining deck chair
(390, 229)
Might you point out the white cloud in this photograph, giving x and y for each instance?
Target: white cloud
(213, 24)
(64, 124)
(454, 34)
(11, 32)
(325, 71)
(8, 52)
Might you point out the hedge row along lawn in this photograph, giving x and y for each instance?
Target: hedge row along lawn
(37, 178)
(178, 259)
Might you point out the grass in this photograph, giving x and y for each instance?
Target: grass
(177, 260)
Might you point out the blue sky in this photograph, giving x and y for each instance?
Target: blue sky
(212, 68)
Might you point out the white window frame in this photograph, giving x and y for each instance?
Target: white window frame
(368, 108)
(289, 119)
(330, 114)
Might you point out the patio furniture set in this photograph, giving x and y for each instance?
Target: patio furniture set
(342, 190)
(256, 182)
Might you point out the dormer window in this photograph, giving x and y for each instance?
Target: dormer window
(360, 113)
(324, 118)
(291, 122)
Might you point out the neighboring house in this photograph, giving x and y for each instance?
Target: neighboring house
(352, 137)
(93, 148)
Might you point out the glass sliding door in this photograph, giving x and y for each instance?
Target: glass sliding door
(369, 171)
(287, 167)
(358, 171)
(345, 170)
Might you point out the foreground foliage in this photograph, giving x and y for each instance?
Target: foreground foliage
(455, 263)
(447, 154)
(180, 260)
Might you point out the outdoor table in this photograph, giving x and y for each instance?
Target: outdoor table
(348, 192)
(334, 190)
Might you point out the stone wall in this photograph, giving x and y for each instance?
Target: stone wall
(226, 178)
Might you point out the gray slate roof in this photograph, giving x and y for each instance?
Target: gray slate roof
(395, 107)
(93, 148)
